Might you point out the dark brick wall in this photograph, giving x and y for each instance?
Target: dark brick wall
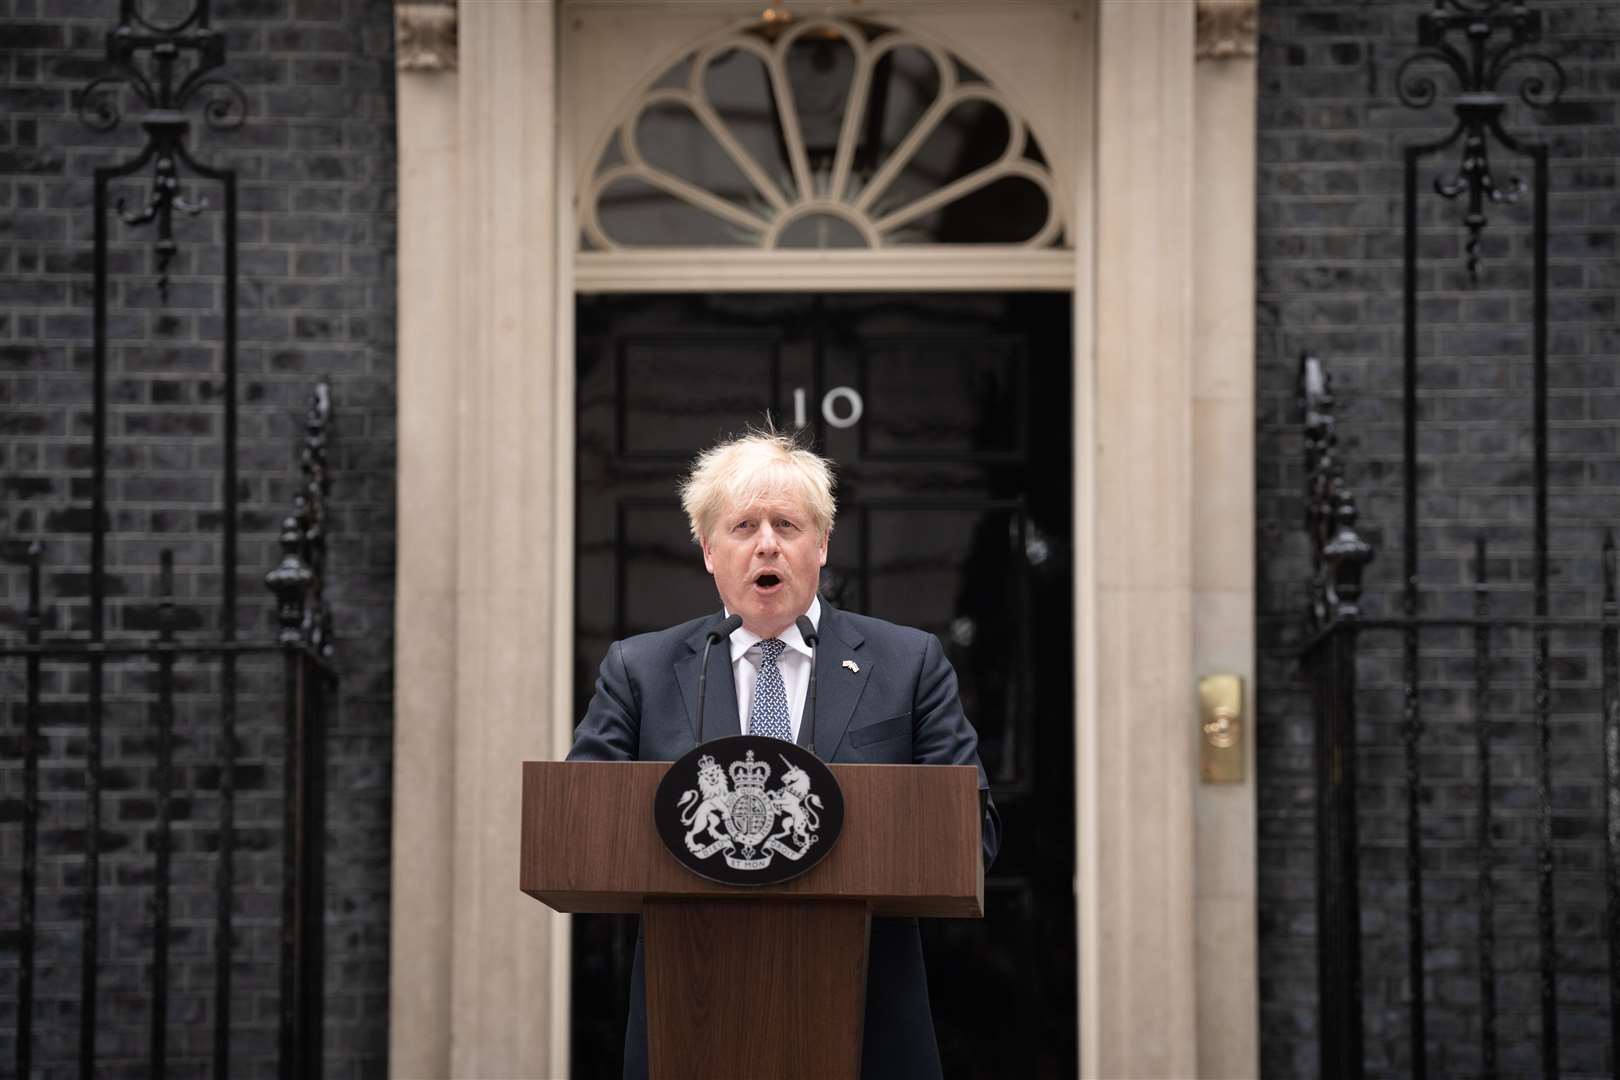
(1329, 281)
(316, 162)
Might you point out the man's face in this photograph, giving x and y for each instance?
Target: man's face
(766, 558)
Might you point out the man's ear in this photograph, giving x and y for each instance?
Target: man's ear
(826, 537)
(708, 559)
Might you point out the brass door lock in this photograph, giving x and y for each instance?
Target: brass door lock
(1220, 724)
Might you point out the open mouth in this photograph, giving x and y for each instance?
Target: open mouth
(767, 581)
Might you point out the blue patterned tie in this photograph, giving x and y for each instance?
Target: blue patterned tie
(769, 714)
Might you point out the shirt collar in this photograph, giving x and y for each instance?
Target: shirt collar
(745, 639)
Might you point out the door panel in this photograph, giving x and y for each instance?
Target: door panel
(948, 417)
(668, 400)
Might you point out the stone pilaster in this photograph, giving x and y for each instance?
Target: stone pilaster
(506, 367)
(1137, 770)
(419, 1030)
(1224, 847)
(475, 961)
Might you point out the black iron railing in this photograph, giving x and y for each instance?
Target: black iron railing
(63, 679)
(1480, 46)
(1456, 659)
(211, 712)
(1340, 555)
(1489, 663)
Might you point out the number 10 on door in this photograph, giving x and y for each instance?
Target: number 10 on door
(841, 407)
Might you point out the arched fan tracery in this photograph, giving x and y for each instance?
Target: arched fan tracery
(832, 133)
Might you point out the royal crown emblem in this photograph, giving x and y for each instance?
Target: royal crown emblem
(750, 774)
(709, 813)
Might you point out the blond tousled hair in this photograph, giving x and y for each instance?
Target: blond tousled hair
(752, 467)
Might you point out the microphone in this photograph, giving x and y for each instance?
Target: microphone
(718, 634)
(807, 630)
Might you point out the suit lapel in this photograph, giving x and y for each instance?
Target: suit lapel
(720, 706)
(838, 689)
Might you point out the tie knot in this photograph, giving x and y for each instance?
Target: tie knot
(772, 648)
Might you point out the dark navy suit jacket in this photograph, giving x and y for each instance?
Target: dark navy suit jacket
(899, 708)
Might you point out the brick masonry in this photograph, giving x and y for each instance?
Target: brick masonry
(1329, 281)
(316, 164)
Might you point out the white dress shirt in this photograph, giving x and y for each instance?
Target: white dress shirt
(794, 664)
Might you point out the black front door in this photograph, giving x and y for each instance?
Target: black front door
(948, 417)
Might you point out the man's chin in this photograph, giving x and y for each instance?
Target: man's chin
(768, 618)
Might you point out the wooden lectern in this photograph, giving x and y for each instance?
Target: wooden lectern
(755, 982)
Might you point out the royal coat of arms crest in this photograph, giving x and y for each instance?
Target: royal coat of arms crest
(732, 814)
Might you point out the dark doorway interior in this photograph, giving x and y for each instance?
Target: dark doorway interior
(949, 417)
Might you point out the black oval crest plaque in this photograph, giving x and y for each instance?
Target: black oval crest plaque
(749, 810)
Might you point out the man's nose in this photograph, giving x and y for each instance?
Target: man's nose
(765, 540)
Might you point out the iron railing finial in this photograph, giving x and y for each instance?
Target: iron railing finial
(1339, 554)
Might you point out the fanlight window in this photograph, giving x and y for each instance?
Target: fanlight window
(832, 133)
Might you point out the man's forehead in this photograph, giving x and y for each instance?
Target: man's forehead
(787, 502)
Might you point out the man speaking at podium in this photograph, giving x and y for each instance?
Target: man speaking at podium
(761, 507)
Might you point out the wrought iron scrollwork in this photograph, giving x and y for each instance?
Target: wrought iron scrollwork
(1338, 552)
(1480, 43)
(298, 581)
(170, 66)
